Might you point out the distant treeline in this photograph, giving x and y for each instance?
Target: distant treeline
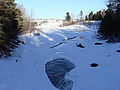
(96, 16)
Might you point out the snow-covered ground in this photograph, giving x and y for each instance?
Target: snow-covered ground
(25, 70)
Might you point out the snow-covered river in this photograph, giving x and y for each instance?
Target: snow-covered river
(76, 43)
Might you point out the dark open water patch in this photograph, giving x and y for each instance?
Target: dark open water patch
(56, 70)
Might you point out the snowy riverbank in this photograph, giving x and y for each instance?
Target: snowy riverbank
(25, 70)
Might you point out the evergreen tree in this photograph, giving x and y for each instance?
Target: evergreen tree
(110, 25)
(86, 17)
(116, 22)
(81, 15)
(68, 17)
(112, 4)
(105, 25)
(98, 15)
(91, 15)
(10, 26)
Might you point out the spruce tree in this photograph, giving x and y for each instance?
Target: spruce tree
(10, 26)
(86, 17)
(105, 25)
(110, 25)
(91, 15)
(68, 17)
(81, 15)
(98, 15)
(116, 22)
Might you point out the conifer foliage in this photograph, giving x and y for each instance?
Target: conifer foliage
(68, 17)
(11, 23)
(110, 25)
(96, 16)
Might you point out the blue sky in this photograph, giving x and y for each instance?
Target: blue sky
(58, 8)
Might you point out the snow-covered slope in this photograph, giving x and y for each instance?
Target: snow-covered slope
(25, 70)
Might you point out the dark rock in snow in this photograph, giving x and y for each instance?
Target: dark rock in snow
(56, 71)
(80, 45)
(21, 41)
(36, 34)
(16, 60)
(98, 43)
(94, 65)
(118, 51)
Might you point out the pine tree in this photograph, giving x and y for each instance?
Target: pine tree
(116, 22)
(81, 15)
(10, 26)
(91, 15)
(110, 25)
(112, 4)
(98, 15)
(86, 17)
(68, 17)
(105, 25)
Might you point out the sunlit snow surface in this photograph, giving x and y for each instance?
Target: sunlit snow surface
(28, 73)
